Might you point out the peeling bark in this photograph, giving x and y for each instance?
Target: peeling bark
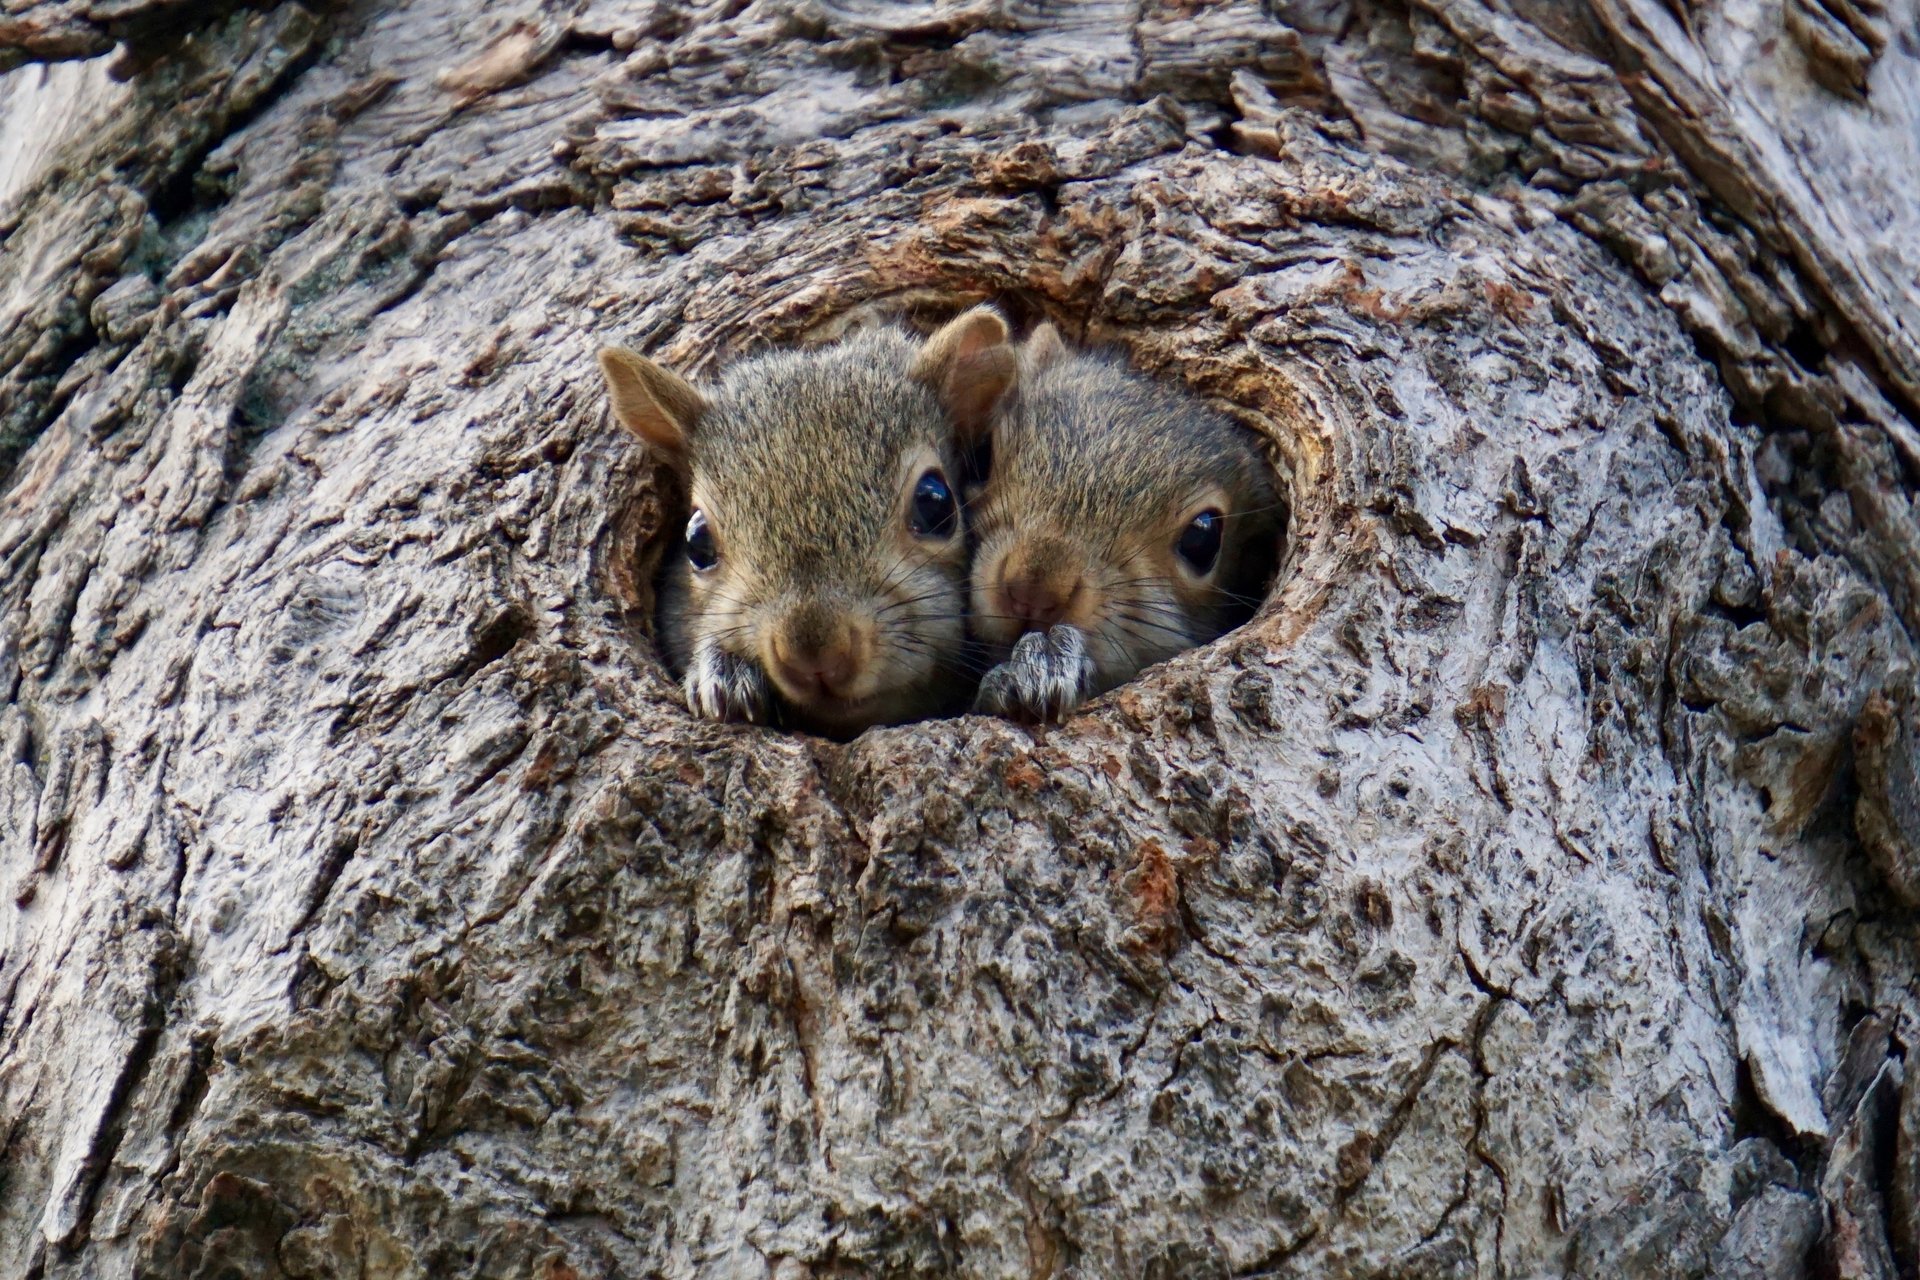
(1528, 890)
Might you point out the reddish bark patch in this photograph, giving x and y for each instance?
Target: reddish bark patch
(540, 772)
(1025, 775)
(1154, 888)
(1486, 705)
(1508, 302)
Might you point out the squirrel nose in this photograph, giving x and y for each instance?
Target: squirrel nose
(824, 671)
(1036, 602)
(815, 653)
(1039, 584)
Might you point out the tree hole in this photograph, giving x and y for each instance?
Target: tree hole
(649, 527)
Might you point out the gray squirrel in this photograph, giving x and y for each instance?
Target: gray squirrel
(1122, 521)
(822, 579)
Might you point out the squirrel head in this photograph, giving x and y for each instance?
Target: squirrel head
(825, 544)
(1120, 506)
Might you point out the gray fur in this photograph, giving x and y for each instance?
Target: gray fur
(798, 461)
(1091, 462)
(1102, 442)
(803, 445)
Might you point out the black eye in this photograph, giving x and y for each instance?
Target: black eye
(1199, 543)
(935, 514)
(701, 553)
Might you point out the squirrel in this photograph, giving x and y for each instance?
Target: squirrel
(1121, 522)
(821, 581)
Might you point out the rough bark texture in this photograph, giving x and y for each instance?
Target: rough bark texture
(1529, 891)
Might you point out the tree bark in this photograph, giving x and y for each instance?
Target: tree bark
(1530, 890)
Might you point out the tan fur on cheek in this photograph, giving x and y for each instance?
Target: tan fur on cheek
(1144, 617)
(919, 618)
(989, 620)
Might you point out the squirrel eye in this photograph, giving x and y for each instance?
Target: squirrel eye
(934, 514)
(701, 553)
(1199, 543)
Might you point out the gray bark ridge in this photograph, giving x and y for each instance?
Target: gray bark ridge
(1527, 891)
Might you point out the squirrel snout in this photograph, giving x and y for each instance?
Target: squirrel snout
(1038, 588)
(1035, 602)
(813, 654)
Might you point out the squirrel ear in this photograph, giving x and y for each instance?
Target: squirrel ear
(966, 335)
(969, 366)
(1044, 348)
(658, 406)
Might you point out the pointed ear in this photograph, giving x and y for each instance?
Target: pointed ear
(966, 335)
(1044, 348)
(658, 406)
(969, 365)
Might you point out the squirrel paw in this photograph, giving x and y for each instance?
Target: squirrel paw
(721, 686)
(1048, 676)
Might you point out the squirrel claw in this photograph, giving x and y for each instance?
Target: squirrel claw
(1047, 677)
(721, 686)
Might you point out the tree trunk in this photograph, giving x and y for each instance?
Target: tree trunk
(1530, 890)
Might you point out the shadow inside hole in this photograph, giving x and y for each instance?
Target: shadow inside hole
(1269, 565)
(1260, 576)
(648, 525)
(922, 311)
